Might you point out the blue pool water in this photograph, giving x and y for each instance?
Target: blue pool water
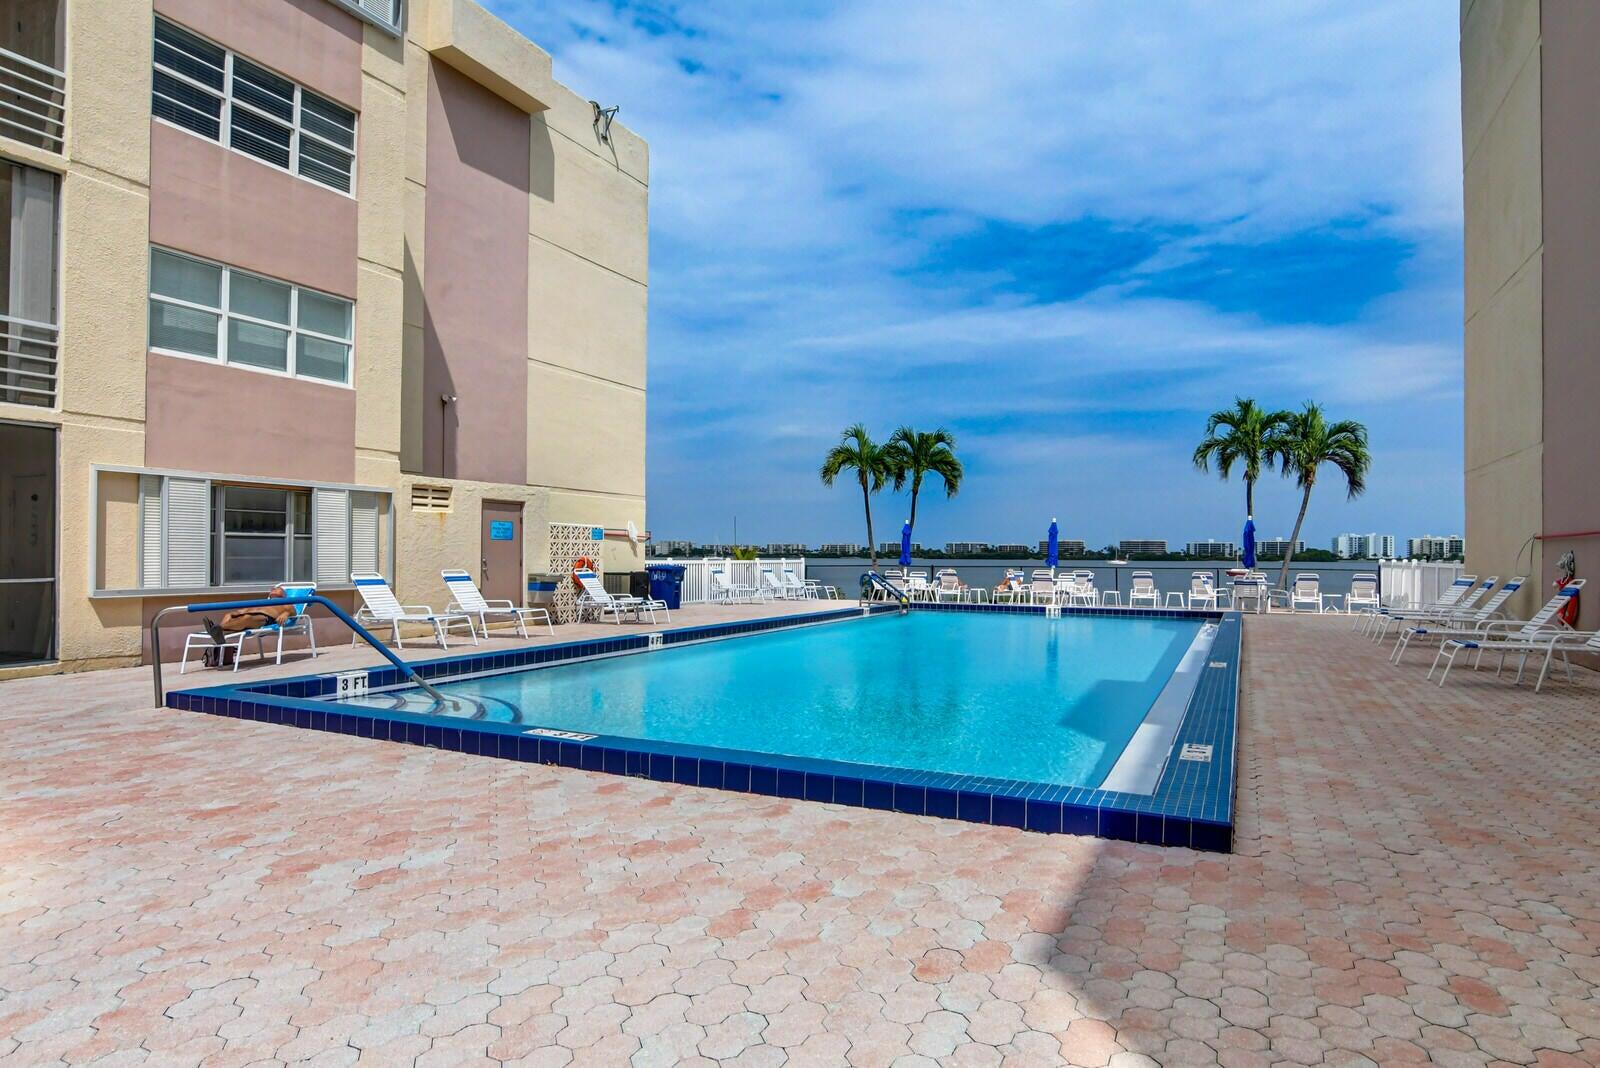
(1005, 696)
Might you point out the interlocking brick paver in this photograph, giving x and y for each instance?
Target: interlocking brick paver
(1413, 878)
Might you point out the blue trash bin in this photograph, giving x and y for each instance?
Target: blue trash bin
(666, 583)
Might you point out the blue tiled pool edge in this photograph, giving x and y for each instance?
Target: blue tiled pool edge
(1192, 804)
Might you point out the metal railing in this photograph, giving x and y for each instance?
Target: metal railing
(33, 102)
(265, 602)
(28, 361)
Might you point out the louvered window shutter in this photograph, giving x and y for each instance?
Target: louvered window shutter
(364, 532)
(152, 545)
(330, 525)
(187, 529)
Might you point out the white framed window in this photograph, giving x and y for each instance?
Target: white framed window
(198, 531)
(210, 91)
(261, 535)
(206, 310)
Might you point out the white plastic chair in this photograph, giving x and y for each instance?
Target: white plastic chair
(1307, 590)
(1202, 590)
(1363, 593)
(471, 602)
(949, 586)
(1142, 590)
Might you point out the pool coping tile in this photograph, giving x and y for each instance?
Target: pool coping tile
(1192, 804)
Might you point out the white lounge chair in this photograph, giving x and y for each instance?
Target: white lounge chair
(772, 586)
(725, 591)
(1363, 593)
(1080, 590)
(1143, 590)
(1307, 590)
(917, 587)
(379, 605)
(468, 600)
(950, 586)
(1459, 610)
(793, 587)
(816, 588)
(1541, 634)
(1464, 625)
(1042, 587)
(1011, 587)
(1375, 617)
(593, 598)
(299, 623)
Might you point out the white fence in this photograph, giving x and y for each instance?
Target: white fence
(697, 573)
(1415, 581)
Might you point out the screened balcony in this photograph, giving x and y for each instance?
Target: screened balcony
(29, 336)
(33, 85)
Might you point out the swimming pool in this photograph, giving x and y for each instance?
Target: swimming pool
(1119, 723)
(1009, 696)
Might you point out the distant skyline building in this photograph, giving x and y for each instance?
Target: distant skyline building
(841, 548)
(966, 548)
(783, 548)
(894, 547)
(1142, 547)
(1363, 546)
(1010, 548)
(1066, 546)
(1436, 547)
(1210, 549)
(1275, 548)
(675, 547)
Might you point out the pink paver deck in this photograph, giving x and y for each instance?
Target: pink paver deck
(1416, 876)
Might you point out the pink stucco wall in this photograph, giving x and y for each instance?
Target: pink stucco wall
(1571, 138)
(475, 283)
(311, 41)
(212, 202)
(226, 420)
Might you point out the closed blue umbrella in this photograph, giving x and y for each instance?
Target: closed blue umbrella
(1052, 554)
(905, 544)
(1250, 541)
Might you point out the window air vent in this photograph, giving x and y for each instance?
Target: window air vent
(430, 498)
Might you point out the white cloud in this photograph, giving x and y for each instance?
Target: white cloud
(808, 159)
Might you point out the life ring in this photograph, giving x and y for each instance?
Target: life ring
(583, 563)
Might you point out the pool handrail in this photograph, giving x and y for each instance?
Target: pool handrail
(265, 602)
(875, 579)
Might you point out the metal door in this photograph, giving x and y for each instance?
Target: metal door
(500, 574)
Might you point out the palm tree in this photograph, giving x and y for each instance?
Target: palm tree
(914, 455)
(1247, 434)
(1307, 442)
(857, 452)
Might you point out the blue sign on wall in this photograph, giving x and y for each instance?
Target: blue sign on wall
(502, 530)
(597, 534)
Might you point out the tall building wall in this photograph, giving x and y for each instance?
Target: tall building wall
(467, 155)
(1531, 143)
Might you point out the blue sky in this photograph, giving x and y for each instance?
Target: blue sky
(1064, 231)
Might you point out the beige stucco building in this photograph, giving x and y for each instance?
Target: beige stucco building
(1531, 140)
(296, 288)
